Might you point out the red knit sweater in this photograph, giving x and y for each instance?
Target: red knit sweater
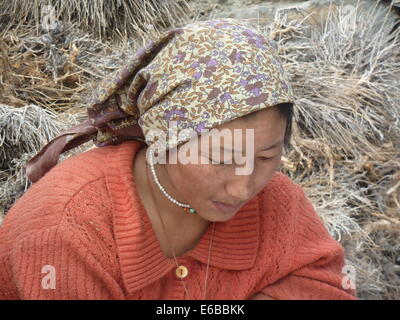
(81, 232)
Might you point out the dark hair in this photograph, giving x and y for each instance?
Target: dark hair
(286, 111)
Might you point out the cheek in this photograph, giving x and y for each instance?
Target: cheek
(191, 179)
(276, 164)
(264, 172)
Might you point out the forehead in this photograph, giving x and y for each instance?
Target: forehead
(267, 126)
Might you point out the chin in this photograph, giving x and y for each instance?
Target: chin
(224, 218)
(215, 216)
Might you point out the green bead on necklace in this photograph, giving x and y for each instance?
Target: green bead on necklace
(190, 210)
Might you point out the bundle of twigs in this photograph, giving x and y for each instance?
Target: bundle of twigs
(53, 69)
(23, 132)
(115, 19)
(346, 76)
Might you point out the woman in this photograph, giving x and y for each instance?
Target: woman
(182, 199)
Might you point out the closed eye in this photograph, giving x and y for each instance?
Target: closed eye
(265, 158)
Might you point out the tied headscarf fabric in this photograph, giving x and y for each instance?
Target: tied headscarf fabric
(198, 77)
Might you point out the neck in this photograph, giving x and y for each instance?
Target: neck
(175, 219)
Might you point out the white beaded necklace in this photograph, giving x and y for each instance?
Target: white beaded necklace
(185, 206)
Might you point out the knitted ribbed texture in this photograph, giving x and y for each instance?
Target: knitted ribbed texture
(85, 220)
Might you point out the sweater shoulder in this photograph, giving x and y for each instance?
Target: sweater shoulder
(290, 200)
(280, 191)
(280, 204)
(86, 166)
(291, 225)
(47, 202)
(285, 207)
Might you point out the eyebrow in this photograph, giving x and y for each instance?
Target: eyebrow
(265, 149)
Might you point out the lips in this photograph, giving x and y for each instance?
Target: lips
(226, 208)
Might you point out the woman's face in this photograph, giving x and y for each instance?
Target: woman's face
(218, 190)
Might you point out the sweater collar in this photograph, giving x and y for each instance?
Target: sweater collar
(235, 242)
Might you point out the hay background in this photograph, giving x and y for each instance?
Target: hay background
(345, 148)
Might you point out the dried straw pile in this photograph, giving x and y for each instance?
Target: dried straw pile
(22, 133)
(116, 19)
(51, 69)
(346, 142)
(346, 147)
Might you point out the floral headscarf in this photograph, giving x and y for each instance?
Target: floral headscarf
(199, 76)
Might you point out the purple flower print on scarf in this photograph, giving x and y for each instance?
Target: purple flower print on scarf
(175, 114)
(205, 66)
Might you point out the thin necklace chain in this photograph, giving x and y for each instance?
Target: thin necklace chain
(176, 261)
(172, 249)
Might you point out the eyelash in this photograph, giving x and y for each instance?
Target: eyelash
(265, 158)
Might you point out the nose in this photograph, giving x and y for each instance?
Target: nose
(240, 188)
